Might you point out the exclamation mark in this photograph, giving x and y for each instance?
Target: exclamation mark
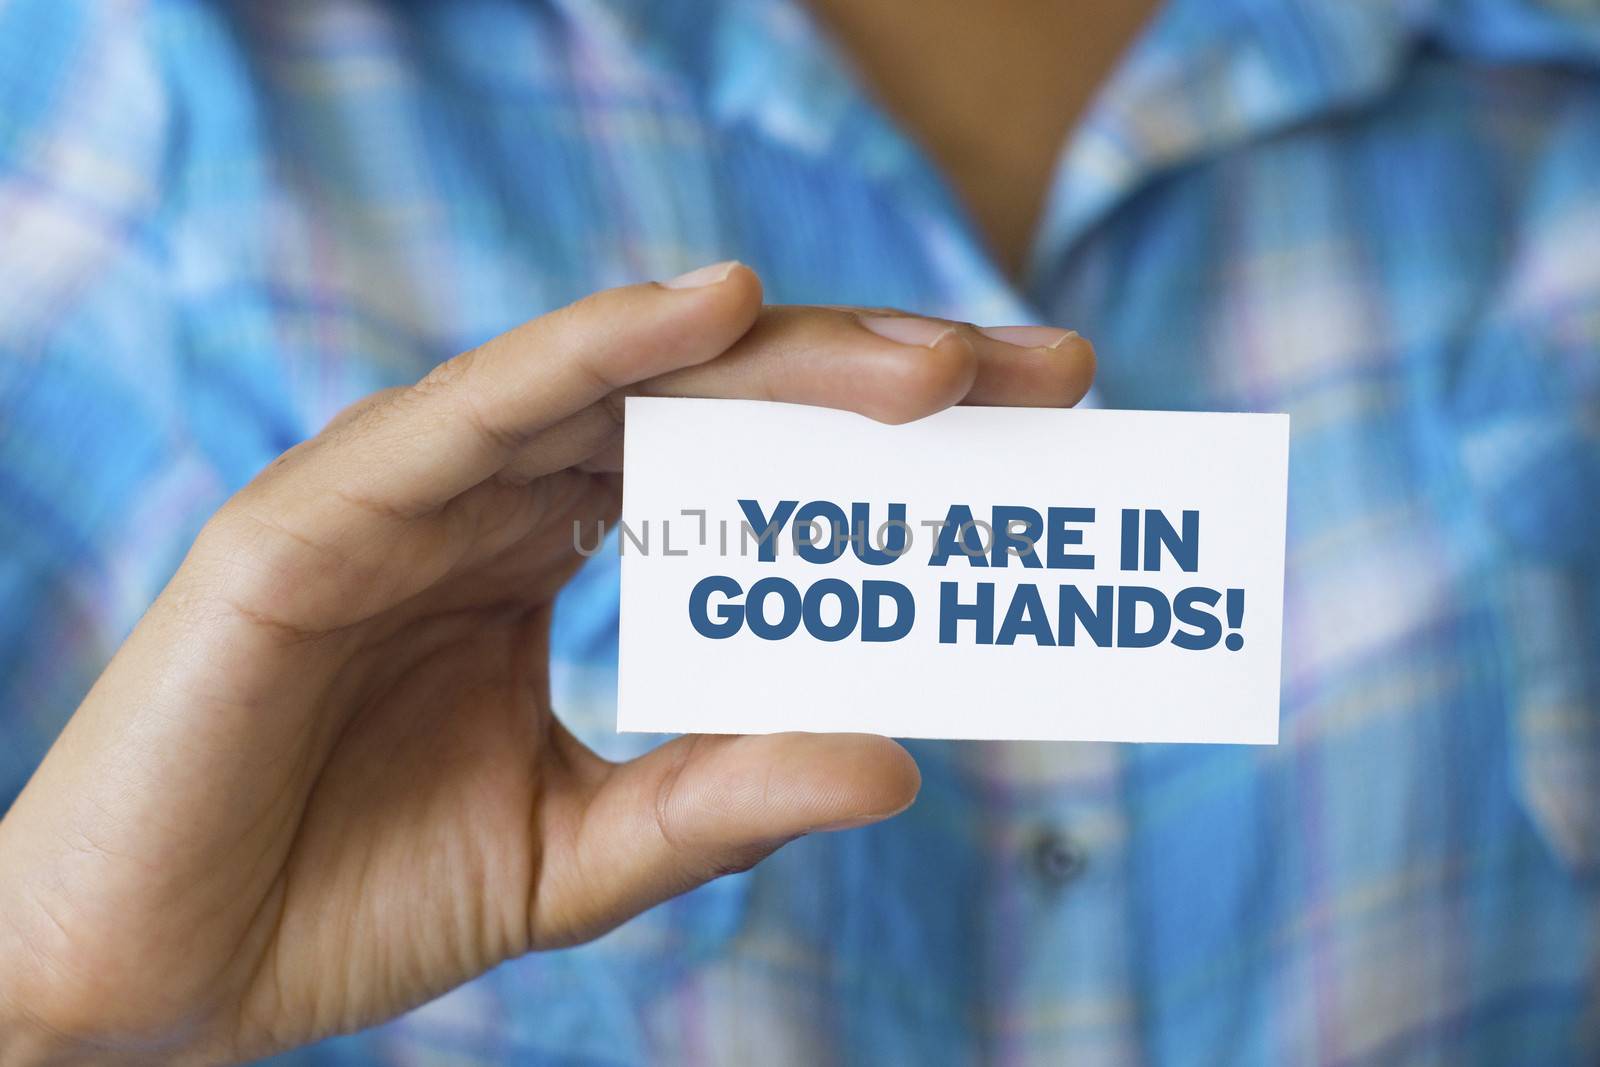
(1235, 640)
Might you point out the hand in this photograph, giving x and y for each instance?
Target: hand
(321, 782)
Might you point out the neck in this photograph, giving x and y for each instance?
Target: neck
(991, 91)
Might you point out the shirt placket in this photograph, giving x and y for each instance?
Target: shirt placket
(1054, 945)
(1056, 931)
(1058, 942)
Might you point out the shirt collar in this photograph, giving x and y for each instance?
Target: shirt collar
(765, 64)
(1204, 75)
(1208, 74)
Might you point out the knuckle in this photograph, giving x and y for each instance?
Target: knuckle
(662, 805)
(614, 406)
(740, 858)
(230, 533)
(502, 435)
(452, 387)
(359, 411)
(280, 466)
(247, 565)
(448, 375)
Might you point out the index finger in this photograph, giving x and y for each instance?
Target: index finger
(425, 445)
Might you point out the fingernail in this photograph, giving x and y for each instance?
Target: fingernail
(710, 274)
(906, 330)
(1029, 336)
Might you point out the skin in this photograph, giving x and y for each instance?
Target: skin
(321, 782)
(947, 68)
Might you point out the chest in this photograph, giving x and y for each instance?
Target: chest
(1369, 277)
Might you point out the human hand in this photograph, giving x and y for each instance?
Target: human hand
(321, 782)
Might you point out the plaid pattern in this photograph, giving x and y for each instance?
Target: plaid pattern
(220, 223)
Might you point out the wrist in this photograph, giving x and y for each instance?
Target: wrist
(24, 1040)
(45, 1024)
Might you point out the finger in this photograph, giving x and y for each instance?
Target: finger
(421, 447)
(876, 363)
(1020, 366)
(893, 369)
(358, 409)
(378, 507)
(703, 806)
(1031, 366)
(890, 368)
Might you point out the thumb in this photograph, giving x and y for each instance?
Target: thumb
(702, 806)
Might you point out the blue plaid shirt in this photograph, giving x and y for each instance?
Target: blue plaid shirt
(219, 223)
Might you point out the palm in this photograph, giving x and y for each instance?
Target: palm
(447, 786)
(321, 781)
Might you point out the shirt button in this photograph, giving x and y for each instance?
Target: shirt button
(1055, 858)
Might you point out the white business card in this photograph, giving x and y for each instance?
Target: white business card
(986, 573)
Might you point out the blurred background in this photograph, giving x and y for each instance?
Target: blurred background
(220, 223)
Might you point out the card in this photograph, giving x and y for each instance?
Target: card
(985, 573)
